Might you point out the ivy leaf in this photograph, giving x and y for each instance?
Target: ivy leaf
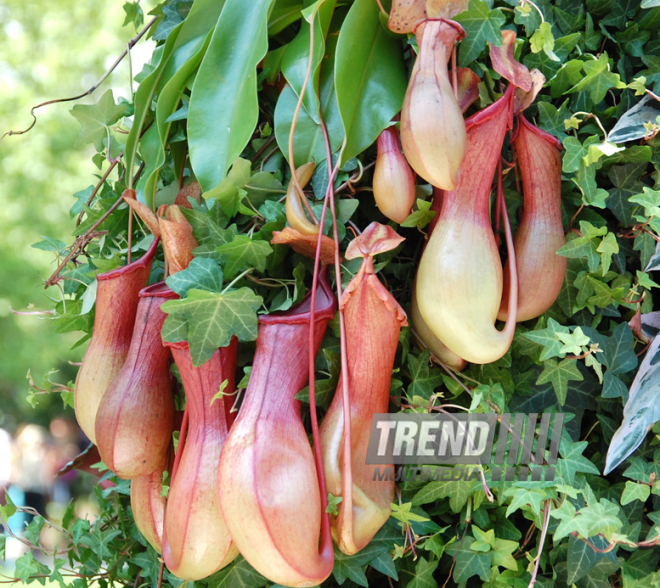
(503, 554)
(552, 118)
(425, 379)
(201, 274)
(598, 79)
(635, 491)
(613, 387)
(349, 567)
(607, 248)
(96, 118)
(27, 566)
(482, 26)
(468, 562)
(174, 13)
(573, 342)
(100, 540)
(239, 575)
(574, 151)
(458, 493)
(423, 576)
(619, 351)
(134, 14)
(402, 513)
(243, 253)
(33, 531)
(543, 40)
(208, 320)
(582, 559)
(585, 246)
(572, 461)
(650, 200)
(50, 244)
(532, 497)
(485, 539)
(549, 338)
(559, 374)
(421, 217)
(569, 75)
(599, 518)
(325, 389)
(384, 564)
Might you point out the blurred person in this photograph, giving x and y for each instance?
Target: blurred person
(32, 470)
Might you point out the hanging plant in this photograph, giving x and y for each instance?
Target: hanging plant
(312, 213)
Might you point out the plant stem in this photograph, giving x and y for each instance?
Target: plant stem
(544, 530)
(294, 121)
(80, 242)
(119, 59)
(237, 278)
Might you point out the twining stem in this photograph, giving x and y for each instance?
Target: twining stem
(535, 6)
(113, 164)
(294, 122)
(347, 478)
(98, 187)
(326, 538)
(182, 441)
(454, 71)
(325, 546)
(119, 59)
(591, 115)
(130, 235)
(510, 324)
(81, 241)
(499, 202)
(236, 279)
(544, 530)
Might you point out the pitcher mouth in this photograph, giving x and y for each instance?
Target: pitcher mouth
(459, 28)
(326, 305)
(138, 264)
(158, 290)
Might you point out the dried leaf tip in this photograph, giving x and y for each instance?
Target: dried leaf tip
(375, 239)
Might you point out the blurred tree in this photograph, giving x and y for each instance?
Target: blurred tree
(48, 49)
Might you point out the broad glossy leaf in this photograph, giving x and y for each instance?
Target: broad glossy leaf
(284, 13)
(223, 108)
(296, 58)
(308, 143)
(630, 127)
(369, 75)
(641, 411)
(191, 44)
(144, 96)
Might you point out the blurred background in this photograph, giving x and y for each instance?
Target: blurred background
(48, 49)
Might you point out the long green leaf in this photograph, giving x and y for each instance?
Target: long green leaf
(369, 76)
(143, 98)
(296, 58)
(223, 107)
(190, 47)
(308, 144)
